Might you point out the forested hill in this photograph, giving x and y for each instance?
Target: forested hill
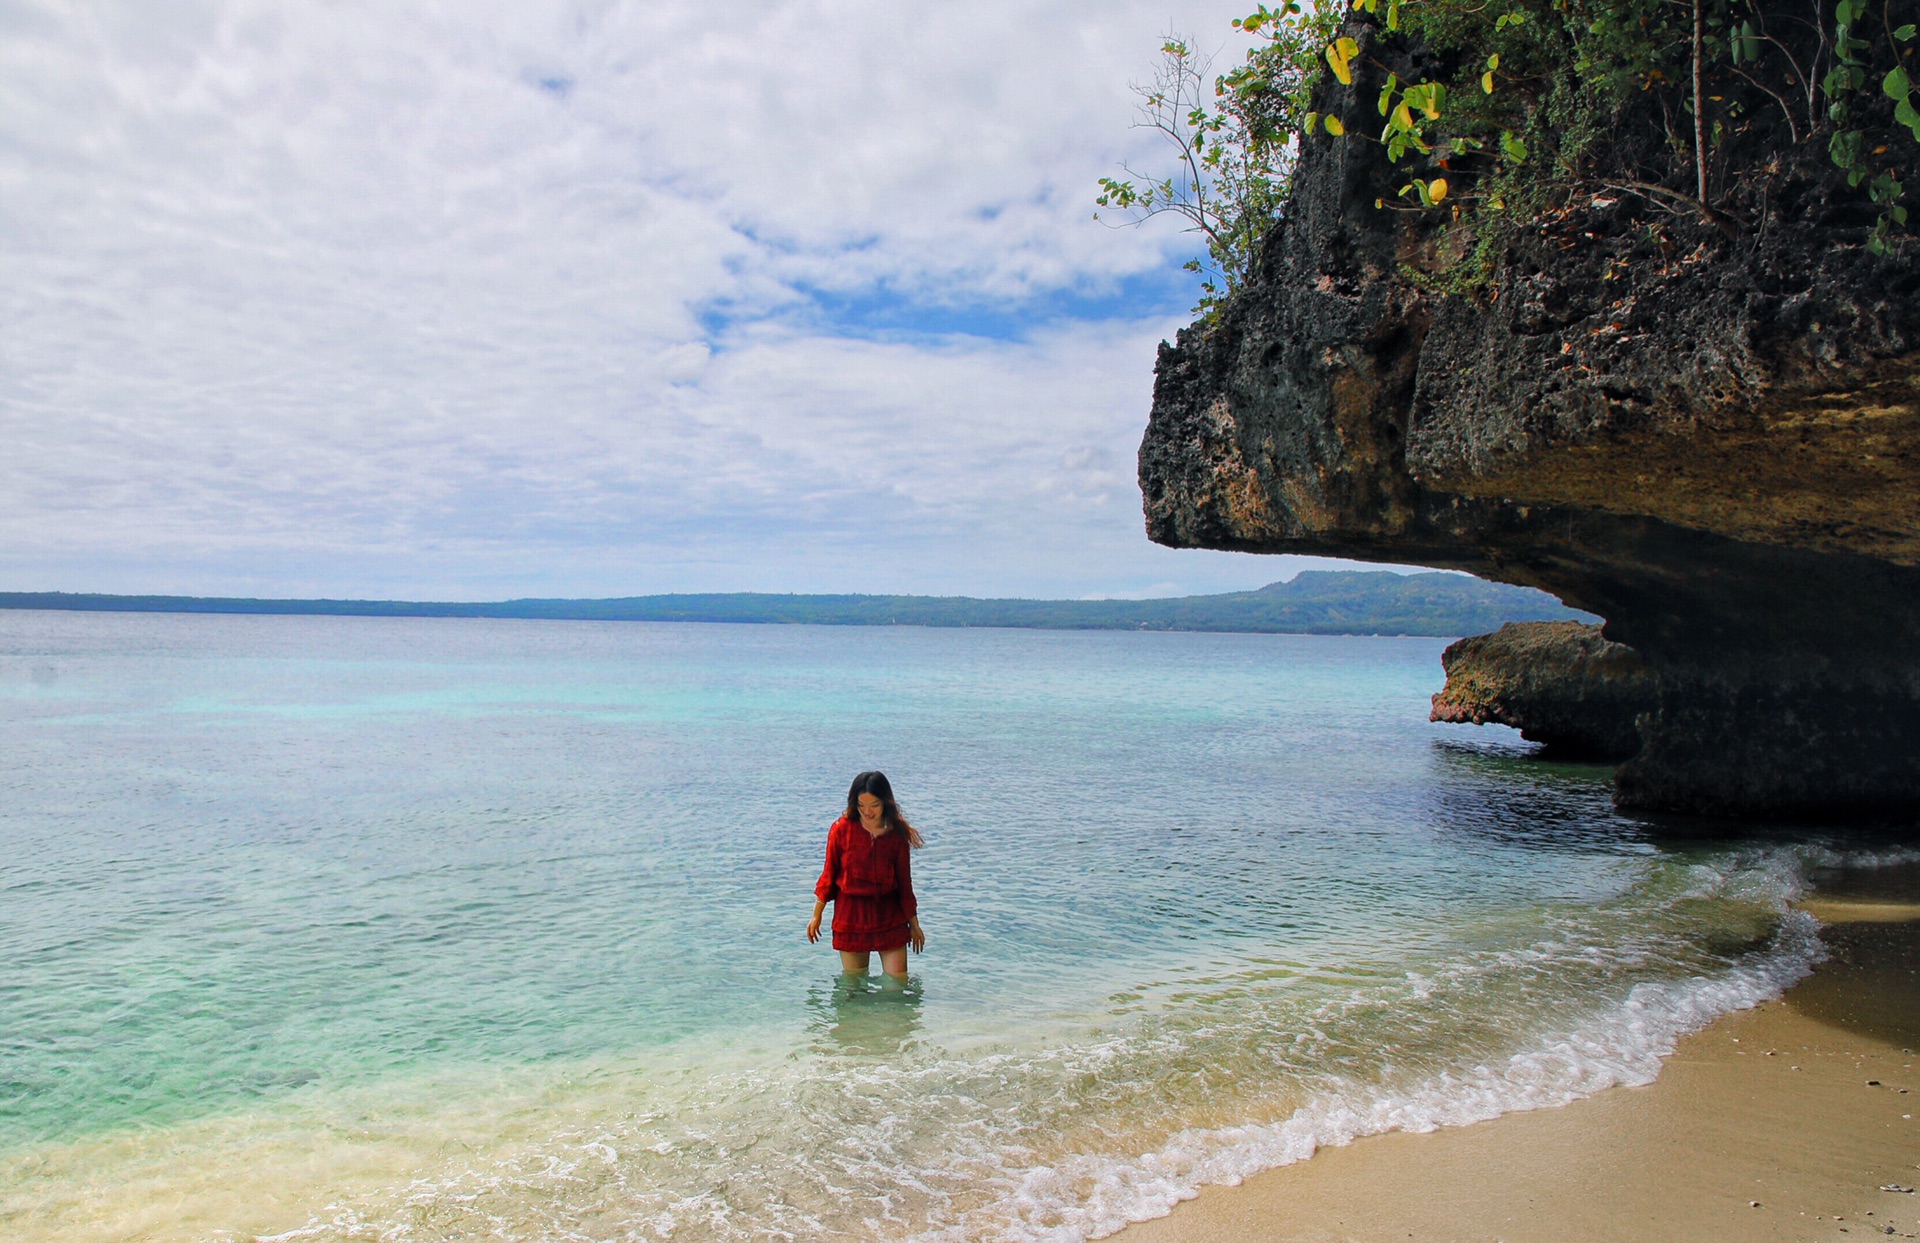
(1314, 602)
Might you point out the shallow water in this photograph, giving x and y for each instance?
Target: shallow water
(344, 928)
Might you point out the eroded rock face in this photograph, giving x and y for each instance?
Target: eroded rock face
(1559, 683)
(1711, 441)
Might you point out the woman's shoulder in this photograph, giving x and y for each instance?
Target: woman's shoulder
(839, 826)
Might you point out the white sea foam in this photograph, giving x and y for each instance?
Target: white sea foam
(1089, 1197)
(1822, 856)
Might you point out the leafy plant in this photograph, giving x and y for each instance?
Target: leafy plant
(1851, 74)
(1235, 138)
(1707, 64)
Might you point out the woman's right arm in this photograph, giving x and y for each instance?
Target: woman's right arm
(824, 890)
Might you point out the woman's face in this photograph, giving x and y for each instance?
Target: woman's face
(870, 809)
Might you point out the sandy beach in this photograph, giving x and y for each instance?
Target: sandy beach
(1788, 1121)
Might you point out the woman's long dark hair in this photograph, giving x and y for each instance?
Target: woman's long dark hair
(876, 784)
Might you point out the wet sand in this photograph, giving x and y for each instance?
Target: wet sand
(1781, 1122)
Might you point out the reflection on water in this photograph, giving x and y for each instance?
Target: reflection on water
(864, 1016)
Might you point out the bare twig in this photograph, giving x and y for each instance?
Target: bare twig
(1785, 109)
(1805, 77)
(1808, 86)
(1645, 189)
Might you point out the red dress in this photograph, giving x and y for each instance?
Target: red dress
(869, 880)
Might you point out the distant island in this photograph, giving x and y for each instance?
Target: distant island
(1313, 602)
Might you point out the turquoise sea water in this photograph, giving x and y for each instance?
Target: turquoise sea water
(429, 929)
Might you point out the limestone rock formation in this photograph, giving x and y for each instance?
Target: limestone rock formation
(1710, 438)
(1558, 683)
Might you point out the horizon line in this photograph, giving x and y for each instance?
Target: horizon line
(8, 598)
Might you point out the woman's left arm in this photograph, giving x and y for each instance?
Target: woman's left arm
(909, 903)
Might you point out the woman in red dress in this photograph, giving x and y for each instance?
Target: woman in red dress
(869, 880)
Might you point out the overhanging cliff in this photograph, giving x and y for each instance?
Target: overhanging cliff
(1707, 435)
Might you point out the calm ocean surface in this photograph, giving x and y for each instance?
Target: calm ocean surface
(338, 928)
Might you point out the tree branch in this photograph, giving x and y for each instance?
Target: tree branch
(1699, 106)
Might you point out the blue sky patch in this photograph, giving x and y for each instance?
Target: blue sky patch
(887, 314)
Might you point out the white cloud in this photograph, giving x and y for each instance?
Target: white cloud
(518, 298)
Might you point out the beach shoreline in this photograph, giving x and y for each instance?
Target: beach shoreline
(1785, 1121)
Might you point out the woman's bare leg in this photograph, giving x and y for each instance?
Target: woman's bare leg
(894, 962)
(855, 964)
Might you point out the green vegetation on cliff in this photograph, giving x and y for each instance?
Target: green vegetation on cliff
(1704, 99)
(1504, 111)
(1314, 602)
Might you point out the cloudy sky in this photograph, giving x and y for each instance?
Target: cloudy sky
(474, 299)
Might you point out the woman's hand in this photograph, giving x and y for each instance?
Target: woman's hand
(916, 938)
(813, 928)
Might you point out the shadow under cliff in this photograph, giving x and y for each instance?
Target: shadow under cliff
(1870, 983)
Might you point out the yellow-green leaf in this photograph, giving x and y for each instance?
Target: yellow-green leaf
(1334, 127)
(1486, 81)
(1340, 56)
(1307, 126)
(1426, 97)
(1437, 189)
